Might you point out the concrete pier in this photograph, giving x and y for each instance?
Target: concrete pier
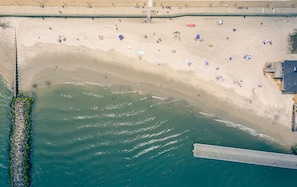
(245, 156)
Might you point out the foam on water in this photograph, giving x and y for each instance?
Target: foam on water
(67, 96)
(157, 140)
(120, 140)
(147, 120)
(93, 94)
(146, 151)
(130, 113)
(72, 109)
(86, 117)
(144, 98)
(7, 85)
(144, 129)
(3, 97)
(165, 151)
(84, 84)
(207, 114)
(94, 107)
(98, 153)
(152, 141)
(238, 126)
(158, 98)
(117, 106)
(127, 92)
(3, 166)
(125, 114)
(145, 136)
(88, 126)
(244, 128)
(84, 138)
(171, 142)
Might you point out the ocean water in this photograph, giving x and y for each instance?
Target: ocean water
(86, 135)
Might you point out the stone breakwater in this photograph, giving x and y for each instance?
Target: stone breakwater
(19, 157)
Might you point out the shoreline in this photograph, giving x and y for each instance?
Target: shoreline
(84, 57)
(196, 98)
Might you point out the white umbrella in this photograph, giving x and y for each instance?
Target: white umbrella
(140, 52)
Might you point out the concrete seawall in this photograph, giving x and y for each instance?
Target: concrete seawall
(245, 156)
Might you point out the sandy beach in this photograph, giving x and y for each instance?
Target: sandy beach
(220, 71)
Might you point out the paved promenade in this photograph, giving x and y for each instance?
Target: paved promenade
(155, 3)
(129, 8)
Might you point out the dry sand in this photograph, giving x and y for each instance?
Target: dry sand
(173, 63)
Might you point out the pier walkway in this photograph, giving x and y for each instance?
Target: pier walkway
(245, 156)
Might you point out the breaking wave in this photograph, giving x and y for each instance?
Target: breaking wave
(246, 129)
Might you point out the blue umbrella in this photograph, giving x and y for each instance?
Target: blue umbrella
(121, 37)
(197, 36)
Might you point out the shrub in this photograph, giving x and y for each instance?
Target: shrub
(293, 42)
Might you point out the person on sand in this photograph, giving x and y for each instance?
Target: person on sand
(206, 64)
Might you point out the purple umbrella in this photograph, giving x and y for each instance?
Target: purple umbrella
(121, 37)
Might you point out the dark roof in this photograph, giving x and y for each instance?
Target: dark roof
(290, 76)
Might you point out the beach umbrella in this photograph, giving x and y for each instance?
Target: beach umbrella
(140, 52)
(191, 25)
(188, 62)
(121, 37)
(247, 57)
(197, 36)
(220, 22)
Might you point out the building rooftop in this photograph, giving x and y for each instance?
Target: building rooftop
(290, 76)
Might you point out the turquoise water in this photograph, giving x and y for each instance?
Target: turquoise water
(85, 135)
(5, 97)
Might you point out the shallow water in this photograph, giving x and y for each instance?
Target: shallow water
(5, 97)
(85, 135)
